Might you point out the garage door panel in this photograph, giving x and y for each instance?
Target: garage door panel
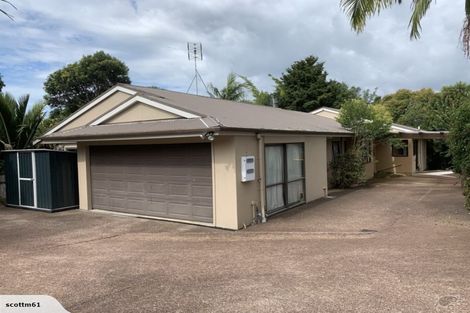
(156, 188)
(178, 189)
(117, 185)
(136, 203)
(156, 205)
(201, 202)
(170, 181)
(117, 202)
(201, 212)
(201, 191)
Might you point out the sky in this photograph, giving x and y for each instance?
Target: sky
(252, 38)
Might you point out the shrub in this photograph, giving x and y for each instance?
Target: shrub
(466, 192)
(347, 170)
(459, 143)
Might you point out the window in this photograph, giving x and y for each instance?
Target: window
(285, 178)
(402, 150)
(336, 149)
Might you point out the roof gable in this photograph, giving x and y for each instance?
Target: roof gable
(96, 107)
(140, 112)
(162, 110)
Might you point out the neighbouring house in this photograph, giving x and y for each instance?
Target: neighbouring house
(408, 159)
(180, 157)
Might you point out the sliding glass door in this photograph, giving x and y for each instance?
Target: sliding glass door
(285, 176)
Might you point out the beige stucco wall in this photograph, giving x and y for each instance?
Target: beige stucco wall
(140, 112)
(369, 170)
(327, 114)
(98, 110)
(224, 184)
(248, 193)
(398, 165)
(84, 181)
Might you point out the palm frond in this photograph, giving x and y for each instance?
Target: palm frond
(419, 10)
(29, 127)
(5, 12)
(20, 110)
(7, 117)
(465, 32)
(250, 86)
(360, 10)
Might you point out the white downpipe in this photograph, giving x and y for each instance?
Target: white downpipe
(261, 177)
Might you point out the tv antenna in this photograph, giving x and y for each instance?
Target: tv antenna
(195, 53)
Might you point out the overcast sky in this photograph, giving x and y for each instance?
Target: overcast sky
(252, 38)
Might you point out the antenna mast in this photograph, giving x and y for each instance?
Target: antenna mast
(195, 53)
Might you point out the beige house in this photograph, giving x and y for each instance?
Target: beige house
(409, 159)
(179, 157)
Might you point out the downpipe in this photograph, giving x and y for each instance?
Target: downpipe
(261, 178)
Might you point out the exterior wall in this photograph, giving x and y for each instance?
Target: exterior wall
(103, 107)
(248, 193)
(369, 171)
(235, 202)
(140, 112)
(327, 114)
(84, 180)
(397, 165)
(225, 185)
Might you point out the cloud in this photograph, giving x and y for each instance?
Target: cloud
(253, 38)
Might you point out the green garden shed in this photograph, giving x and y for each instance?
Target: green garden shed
(41, 179)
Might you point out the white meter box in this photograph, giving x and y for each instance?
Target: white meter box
(248, 168)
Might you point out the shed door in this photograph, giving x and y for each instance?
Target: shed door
(169, 181)
(26, 178)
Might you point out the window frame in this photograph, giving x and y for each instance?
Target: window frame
(285, 180)
(405, 149)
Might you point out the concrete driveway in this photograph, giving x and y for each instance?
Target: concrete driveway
(398, 245)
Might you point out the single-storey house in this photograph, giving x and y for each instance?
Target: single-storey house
(408, 159)
(180, 157)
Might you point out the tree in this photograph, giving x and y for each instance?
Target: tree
(18, 127)
(2, 84)
(369, 124)
(459, 141)
(304, 87)
(359, 11)
(5, 12)
(398, 102)
(422, 111)
(260, 97)
(78, 83)
(233, 90)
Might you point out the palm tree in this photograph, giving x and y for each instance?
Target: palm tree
(18, 127)
(234, 90)
(359, 11)
(260, 97)
(5, 12)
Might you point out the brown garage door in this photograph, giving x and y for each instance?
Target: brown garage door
(170, 181)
